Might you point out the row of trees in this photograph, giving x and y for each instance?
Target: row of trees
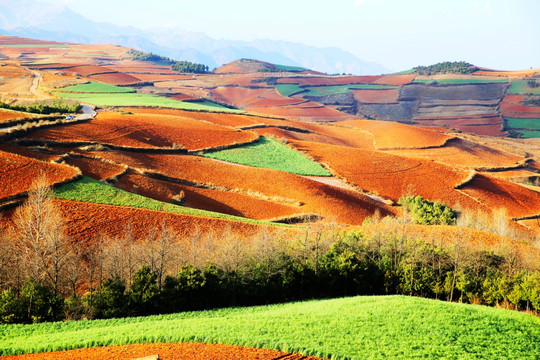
(447, 67)
(180, 66)
(45, 107)
(44, 276)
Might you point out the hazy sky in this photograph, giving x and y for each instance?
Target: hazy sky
(398, 34)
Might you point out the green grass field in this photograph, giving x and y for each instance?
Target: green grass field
(95, 87)
(134, 99)
(521, 87)
(289, 68)
(288, 89)
(404, 72)
(267, 153)
(519, 123)
(460, 81)
(93, 191)
(340, 89)
(369, 327)
(529, 134)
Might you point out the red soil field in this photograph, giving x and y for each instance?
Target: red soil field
(493, 120)
(314, 81)
(518, 110)
(395, 79)
(18, 172)
(158, 77)
(242, 97)
(490, 130)
(146, 131)
(391, 176)
(28, 152)
(226, 202)
(498, 193)
(86, 70)
(395, 135)
(344, 206)
(183, 97)
(94, 168)
(310, 111)
(466, 154)
(506, 73)
(115, 78)
(232, 120)
(13, 71)
(233, 79)
(376, 96)
(10, 115)
(166, 351)
(519, 174)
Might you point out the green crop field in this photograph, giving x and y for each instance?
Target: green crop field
(529, 134)
(267, 153)
(96, 87)
(289, 68)
(288, 89)
(404, 72)
(519, 123)
(134, 99)
(459, 81)
(340, 89)
(93, 191)
(369, 327)
(521, 87)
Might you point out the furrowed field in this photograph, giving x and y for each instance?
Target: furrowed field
(374, 327)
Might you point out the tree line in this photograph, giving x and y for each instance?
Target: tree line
(447, 67)
(45, 277)
(180, 66)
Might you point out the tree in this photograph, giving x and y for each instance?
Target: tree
(144, 291)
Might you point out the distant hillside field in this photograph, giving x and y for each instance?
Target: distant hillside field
(370, 327)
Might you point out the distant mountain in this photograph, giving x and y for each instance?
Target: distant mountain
(45, 21)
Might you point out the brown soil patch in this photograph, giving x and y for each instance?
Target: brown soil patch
(376, 96)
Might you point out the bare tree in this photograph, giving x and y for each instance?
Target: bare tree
(159, 251)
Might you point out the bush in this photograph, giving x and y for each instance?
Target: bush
(427, 212)
(447, 67)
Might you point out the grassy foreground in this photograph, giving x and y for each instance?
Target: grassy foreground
(96, 87)
(268, 153)
(93, 191)
(369, 327)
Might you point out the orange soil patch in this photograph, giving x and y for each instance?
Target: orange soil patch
(86, 70)
(233, 79)
(375, 96)
(473, 239)
(395, 79)
(158, 77)
(463, 153)
(344, 206)
(392, 176)
(13, 71)
(310, 111)
(24, 151)
(146, 131)
(519, 174)
(58, 80)
(183, 97)
(10, 115)
(498, 193)
(465, 120)
(94, 168)
(242, 97)
(18, 172)
(489, 130)
(507, 73)
(115, 78)
(395, 135)
(166, 351)
(314, 81)
(225, 202)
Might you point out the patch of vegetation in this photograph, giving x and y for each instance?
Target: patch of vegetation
(93, 191)
(404, 72)
(189, 67)
(180, 66)
(447, 67)
(477, 80)
(532, 101)
(520, 123)
(427, 212)
(288, 89)
(268, 153)
(528, 134)
(347, 328)
(45, 107)
(532, 83)
(96, 87)
(340, 89)
(521, 87)
(135, 99)
(284, 68)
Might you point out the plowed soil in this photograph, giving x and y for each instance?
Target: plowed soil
(146, 131)
(337, 204)
(86, 70)
(392, 176)
(498, 193)
(28, 152)
(395, 135)
(18, 172)
(7, 116)
(489, 130)
(462, 153)
(395, 79)
(314, 81)
(306, 111)
(376, 96)
(226, 202)
(115, 78)
(96, 169)
(166, 351)
(243, 97)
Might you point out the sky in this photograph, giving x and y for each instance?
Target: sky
(399, 34)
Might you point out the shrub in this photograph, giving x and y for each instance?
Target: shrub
(428, 212)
